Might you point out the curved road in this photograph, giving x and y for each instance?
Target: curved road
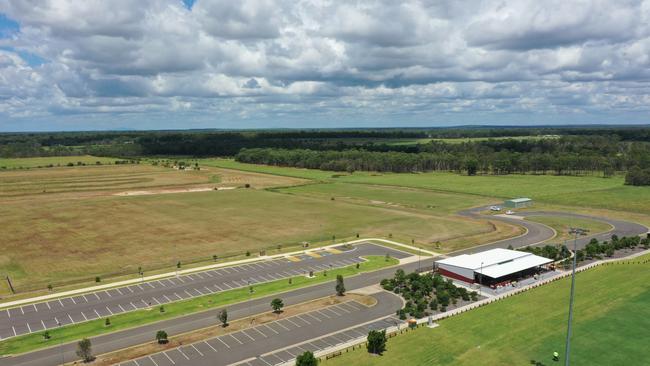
(537, 234)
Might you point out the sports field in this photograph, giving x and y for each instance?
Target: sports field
(611, 322)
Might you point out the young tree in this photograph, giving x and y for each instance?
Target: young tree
(161, 337)
(84, 350)
(223, 317)
(46, 335)
(277, 305)
(107, 322)
(376, 342)
(340, 286)
(306, 359)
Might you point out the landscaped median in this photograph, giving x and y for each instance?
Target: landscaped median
(31, 342)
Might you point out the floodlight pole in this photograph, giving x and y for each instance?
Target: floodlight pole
(575, 231)
(480, 281)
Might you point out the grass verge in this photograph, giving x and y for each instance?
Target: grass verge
(132, 319)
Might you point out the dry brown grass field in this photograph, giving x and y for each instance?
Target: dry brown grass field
(71, 224)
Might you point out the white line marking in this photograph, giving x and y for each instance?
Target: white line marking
(167, 298)
(84, 315)
(140, 287)
(323, 314)
(71, 321)
(99, 316)
(14, 329)
(272, 330)
(169, 358)
(233, 337)
(289, 320)
(152, 360)
(209, 345)
(121, 308)
(48, 305)
(280, 324)
(258, 331)
(85, 298)
(107, 293)
(197, 350)
(150, 285)
(188, 294)
(109, 310)
(134, 307)
(29, 328)
(22, 311)
(313, 317)
(9, 314)
(246, 334)
(118, 290)
(226, 344)
(299, 317)
(182, 353)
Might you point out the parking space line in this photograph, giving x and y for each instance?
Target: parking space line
(134, 307)
(188, 294)
(280, 324)
(258, 331)
(220, 289)
(152, 360)
(197, 350)
(331, 310)
(71, 321)
(272, 330)
(323, 314)
(14, 329)
(109, 311)
(289, 320)
(140, 287)
(121, 308)
(71, 298)
(96, 313)
(151, 285)
(29, 328)
(247, 335)
(340, 307)
(179, 349)
(120, 292)
(299, 317)
(225, 344)
(313, 317)
(169, 358)
(233, 337)
(209, 345)
(167, 298)
(208, 274)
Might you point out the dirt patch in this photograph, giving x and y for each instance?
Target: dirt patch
(218, 330)
(169, 191)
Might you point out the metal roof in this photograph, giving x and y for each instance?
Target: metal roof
(518, 200)
(496, 262)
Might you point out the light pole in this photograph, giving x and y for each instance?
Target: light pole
(575, 231)
(480, 281)
(61, 346)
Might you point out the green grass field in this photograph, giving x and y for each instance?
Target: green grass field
(562, 224)
(56, 161)
(580, 191)
(611, 322)
(132, 319)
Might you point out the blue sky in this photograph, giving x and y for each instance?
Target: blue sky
(269, 63)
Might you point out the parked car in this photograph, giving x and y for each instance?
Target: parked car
(495, 208)
(510, 212)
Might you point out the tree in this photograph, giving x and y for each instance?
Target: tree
(223, 317)
(161, 337)
(107, 322)
(277, 305)
(376, 342)
(340, 286)
(306, 359)
(84, 350)
(46, 335)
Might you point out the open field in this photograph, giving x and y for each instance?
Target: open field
(581, 191)
(562, 225)
(55, 161)
(74, 239)
(611, 320)
(131, 319)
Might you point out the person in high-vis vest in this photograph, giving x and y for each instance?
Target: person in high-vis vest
(556, 356)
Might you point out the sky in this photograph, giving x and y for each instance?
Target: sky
(180, 64)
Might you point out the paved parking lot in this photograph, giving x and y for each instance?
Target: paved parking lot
(279, 341)
(61, 312)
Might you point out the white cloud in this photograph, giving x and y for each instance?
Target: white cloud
(313, 60)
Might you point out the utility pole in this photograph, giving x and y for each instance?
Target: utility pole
(575, 231)
(480, 281)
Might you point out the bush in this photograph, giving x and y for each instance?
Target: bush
(376, 342)
(161, 337)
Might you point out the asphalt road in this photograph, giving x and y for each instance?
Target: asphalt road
(537, 233)
(47, 315)
(265, 344)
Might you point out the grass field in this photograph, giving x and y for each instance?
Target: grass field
(56, 161)
(580, 191)
(611, 322)
(88, 235)
(96, 327)
(562, 225)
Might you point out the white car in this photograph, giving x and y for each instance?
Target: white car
(510, 212)
(495, 208)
